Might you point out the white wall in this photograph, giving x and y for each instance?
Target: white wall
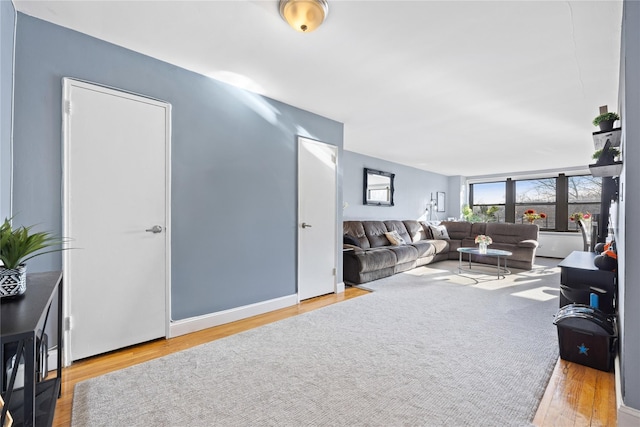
(629, 228)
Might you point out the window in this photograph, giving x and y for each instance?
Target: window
(488, 202)
(539, 195)
(557, 198)
(583, 196)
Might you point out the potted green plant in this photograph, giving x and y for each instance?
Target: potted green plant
(612, 152)
(606, 120)
(16, 247)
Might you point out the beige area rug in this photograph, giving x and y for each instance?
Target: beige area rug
(427, 348)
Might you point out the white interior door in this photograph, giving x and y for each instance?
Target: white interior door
(317, 200)
(116, 213)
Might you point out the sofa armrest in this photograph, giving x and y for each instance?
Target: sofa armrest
(528, 244)
(356, 249)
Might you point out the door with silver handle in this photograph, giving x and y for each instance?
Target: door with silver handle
(155, 229)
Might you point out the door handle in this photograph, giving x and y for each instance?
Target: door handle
(305, 225)
(155, 229)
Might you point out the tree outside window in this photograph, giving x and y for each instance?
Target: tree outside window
(551, 196)
(488, 203)
(584, 196)
(539, 195)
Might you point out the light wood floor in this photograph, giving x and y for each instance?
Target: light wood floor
(576, 396)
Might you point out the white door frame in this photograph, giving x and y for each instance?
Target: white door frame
(338, 287)
(67, 84)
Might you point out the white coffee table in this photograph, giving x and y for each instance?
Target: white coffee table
(495, 253)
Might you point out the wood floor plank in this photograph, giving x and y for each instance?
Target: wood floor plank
(577, 396)
(549, 396)
(604, 402)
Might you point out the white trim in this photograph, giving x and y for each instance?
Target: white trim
(52, 362)
(340, 287)
(9, 174)
(193, 324)
(627, 416)
(167, 217)
(549, 173)
(66, 303)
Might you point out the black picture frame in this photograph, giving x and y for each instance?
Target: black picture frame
(440, 201)
(378, 188)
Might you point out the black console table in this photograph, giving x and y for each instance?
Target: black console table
(23, 322)
(579, 277)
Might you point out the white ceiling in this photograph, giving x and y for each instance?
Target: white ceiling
(454, 87)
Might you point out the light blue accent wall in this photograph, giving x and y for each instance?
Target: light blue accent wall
(413, 189)
(629, 244)
(234, 165)
(457, 196)
(7, 27)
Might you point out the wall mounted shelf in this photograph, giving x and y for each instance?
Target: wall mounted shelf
(613, 169)
(601, 138)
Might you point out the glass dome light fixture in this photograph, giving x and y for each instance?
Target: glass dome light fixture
(304, 15)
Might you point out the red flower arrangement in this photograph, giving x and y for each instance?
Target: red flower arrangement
(531, 215)
(579, 215)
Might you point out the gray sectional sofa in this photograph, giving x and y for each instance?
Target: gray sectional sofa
(371, 255)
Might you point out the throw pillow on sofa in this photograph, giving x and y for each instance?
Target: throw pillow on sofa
(439, 232)
(348, 239)
(394, 238)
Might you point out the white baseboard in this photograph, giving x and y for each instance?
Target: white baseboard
(340, 288)
(53, 359)
(627, 417)
(193, 324)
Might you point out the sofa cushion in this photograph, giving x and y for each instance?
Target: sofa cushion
(404, 253)
(457, 230)
(348, 239)
(415, 230)
(440, 246)
(374, 230)
(394, 238)
(355, 229)
(365, 261)
(425, 247)
(439, 232)
(502, 232)
(478, 228)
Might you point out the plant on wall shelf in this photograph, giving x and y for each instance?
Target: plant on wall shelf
(606, 120)
(614, 152)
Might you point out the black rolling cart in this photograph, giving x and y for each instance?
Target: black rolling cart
(22, 337)
(579, 277)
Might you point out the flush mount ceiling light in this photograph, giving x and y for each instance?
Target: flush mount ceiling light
(304, 15)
